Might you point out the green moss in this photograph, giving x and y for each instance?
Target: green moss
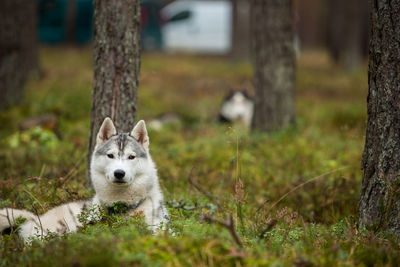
(315, 222)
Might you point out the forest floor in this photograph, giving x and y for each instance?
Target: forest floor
(292, 194)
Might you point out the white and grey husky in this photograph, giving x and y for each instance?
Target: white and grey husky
(237, 106)
(121, 171)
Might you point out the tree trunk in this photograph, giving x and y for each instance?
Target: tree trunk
(334, 31)
(18, 50)
(379, 205)
(274, 64)
(310, 22)
(240, 30)
(346, 25)
(70, 21)
(116, 65)
(353, 51)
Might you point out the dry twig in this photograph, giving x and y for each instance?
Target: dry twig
(38, 216)
(267, 228)
(202, 190)
(297, 187)
(228, 224)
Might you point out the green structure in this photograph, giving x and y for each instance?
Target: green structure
(56, 17)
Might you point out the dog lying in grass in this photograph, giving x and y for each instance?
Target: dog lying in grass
(237, 106)
(122, 171)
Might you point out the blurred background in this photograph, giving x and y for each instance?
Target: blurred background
(216, 27)
(338, 30)
(194, 54)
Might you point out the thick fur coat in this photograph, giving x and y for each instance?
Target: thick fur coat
(121, 171)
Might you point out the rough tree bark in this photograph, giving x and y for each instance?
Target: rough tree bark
(116, 65)
(274, 64)
(379, 205)
(18, 50)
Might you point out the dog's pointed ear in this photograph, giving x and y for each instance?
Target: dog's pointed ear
(139, 132)
(107, 130)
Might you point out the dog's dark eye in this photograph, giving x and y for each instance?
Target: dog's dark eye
(131, 157)
(111, 156)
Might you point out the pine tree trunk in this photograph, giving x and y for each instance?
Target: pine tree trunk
(274, 64)
(240, 30)
(346, 31)
(18, 50)
(70, 21)
(335, 28)
(379, 205)
(116, 64)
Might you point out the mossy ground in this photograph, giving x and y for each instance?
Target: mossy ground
(303, 182)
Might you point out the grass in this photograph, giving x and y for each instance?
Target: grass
(292, 194)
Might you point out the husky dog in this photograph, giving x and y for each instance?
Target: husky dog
(237, 107)
(121, 171)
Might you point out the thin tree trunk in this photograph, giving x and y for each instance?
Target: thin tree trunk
(353, 40)
(335, 28)
(346, 25)
(310, 22)
(379, 205)
(70, 21)
(274, 64)
(18, 50)
(240, 30)
(116, 65)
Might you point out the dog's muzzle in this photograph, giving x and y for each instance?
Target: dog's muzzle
(119, 176)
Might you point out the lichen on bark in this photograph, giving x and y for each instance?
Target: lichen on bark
(379, 205)
(274, 64)
(116, 65)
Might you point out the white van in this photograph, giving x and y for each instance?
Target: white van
(198, 26)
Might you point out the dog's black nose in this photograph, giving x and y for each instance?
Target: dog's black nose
(119, 174)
